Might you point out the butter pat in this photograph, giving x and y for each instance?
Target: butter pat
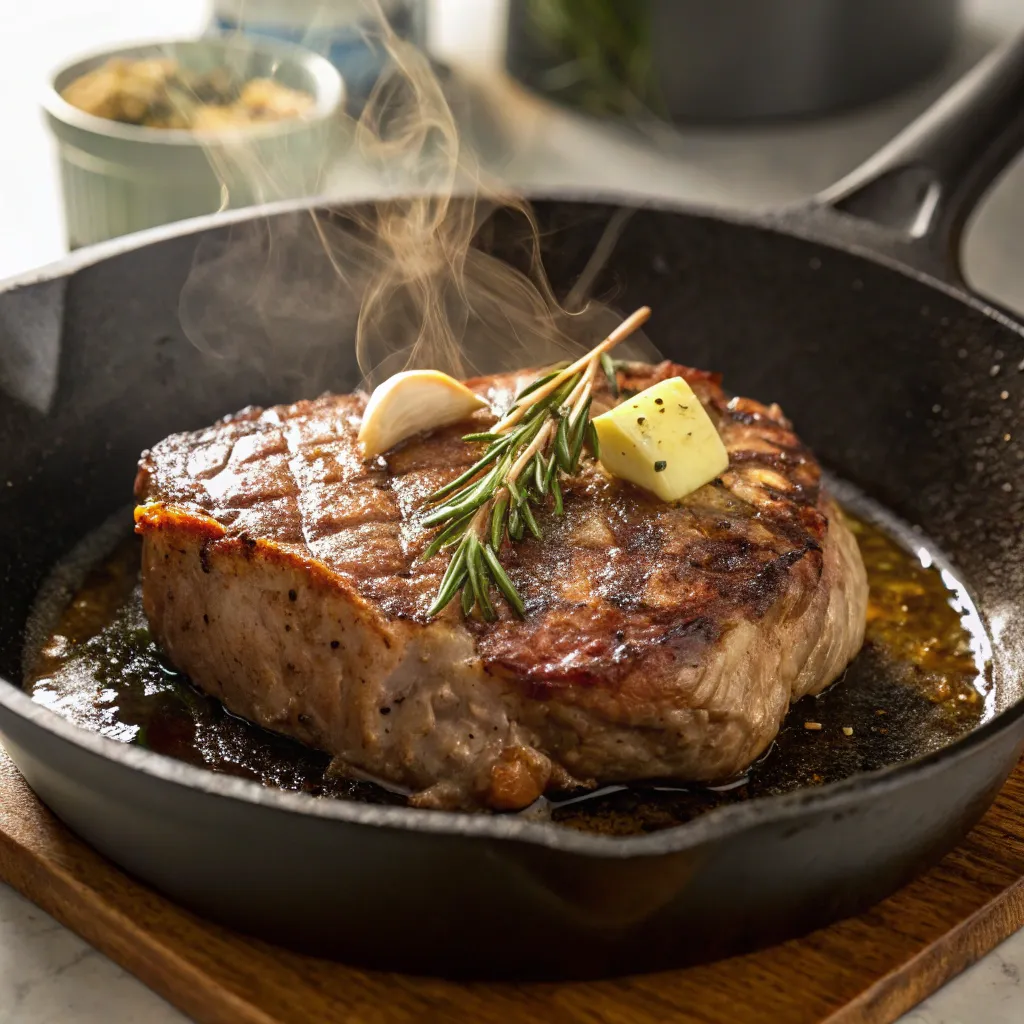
(662, 440)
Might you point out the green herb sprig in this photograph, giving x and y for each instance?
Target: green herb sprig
(539, 439)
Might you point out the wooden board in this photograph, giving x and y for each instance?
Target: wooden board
(865, 970)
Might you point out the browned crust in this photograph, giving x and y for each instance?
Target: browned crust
(172, 522)
(620, 580)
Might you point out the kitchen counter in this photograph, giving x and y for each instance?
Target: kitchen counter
(46, 973)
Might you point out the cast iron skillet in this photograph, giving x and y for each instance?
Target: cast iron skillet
(849, 311)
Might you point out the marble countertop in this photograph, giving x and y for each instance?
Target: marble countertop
(49, 975)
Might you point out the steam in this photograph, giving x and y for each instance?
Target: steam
(408, 276)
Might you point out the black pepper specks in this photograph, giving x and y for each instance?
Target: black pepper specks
(385, 711)
(292, 596)
(660, 466)
(335, 645)
(641, 419)
(659, 401)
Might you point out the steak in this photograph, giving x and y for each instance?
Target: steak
(283, 574)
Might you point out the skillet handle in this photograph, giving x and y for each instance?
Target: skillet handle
(922, 187)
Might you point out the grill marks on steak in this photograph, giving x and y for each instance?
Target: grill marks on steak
(618, 559)
(635, 608)
(621, 573)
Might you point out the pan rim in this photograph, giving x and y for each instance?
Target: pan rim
(707, 828)
(805, 220)
(797, 222)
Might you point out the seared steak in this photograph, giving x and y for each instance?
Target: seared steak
(283, 575)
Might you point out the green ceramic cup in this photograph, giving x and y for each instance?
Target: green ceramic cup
(119, 178)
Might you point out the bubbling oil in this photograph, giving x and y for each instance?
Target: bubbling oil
(922, 679)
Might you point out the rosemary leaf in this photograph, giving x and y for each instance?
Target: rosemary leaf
(478, 578)
(562, 452)
(481, 489)
(489, 456)
(542, 408)
(455, 566)
(484, 600)
(539, 474)
(514, 493)
(469, 500)
(550, 474)
(537, 413)
(504, 584)
(468, 599)
(442, 515)
(579, 419)
(579, 432)
(453, 578)
(529, 433)
(498, 522)
(515, 523)
(577, 448)
(592, 440)
(540, 381)
(556, 490)
(447, 536)
(445, 512)
(608, 365)
(530, 521)
(559, 397)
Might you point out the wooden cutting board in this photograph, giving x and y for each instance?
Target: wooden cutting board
(865, 970)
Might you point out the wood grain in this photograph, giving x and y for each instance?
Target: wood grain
(866, 970)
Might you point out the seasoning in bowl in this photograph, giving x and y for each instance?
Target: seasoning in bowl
(160, 93)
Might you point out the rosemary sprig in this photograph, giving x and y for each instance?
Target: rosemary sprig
(541, 436)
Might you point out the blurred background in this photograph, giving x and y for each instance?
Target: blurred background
(747, 103)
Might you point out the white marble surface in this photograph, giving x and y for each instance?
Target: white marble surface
(49, 976)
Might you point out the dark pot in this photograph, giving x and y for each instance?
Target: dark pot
(697, 60)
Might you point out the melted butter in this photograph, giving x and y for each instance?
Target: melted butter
(919, 682)
(102, 669)
(918, 618)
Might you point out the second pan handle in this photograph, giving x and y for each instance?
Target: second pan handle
(922, 187)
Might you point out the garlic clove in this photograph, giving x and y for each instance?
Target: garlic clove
(410, 402)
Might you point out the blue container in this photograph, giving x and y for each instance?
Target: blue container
(340, 30)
